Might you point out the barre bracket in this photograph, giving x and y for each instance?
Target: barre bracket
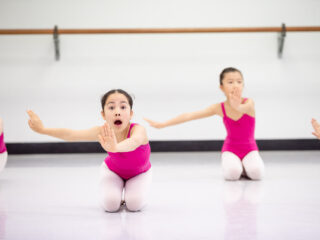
(281, 38)
(56, 43)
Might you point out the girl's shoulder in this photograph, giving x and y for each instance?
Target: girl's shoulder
(136, 127)
(140, 131)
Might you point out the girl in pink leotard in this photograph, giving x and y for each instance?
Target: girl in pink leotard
(3, 149)
(126, 172)
(240, 155)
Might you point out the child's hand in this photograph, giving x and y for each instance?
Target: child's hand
(107, 138)
(153, 123)
(316, 127)
(34, 122)
(235, 98)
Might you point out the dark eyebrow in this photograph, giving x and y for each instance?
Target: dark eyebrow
(120, 102)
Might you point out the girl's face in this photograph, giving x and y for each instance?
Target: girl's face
(230, 82)
(117, 112)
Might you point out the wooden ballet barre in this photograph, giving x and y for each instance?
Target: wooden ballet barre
(56, 32)
(158, 30)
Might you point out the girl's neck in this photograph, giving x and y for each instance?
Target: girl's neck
(120, 136)
(228, 101)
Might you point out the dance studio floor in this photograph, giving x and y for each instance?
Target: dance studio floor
(56, 197)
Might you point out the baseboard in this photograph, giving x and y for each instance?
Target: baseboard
(160, 146)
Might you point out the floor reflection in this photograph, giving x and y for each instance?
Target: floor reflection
(241, 201)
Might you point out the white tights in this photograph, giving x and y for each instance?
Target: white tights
(252, 166)
(135, 190)
(3, 160)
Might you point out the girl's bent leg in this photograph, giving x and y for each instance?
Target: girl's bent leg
(136, 191)
(111, 187)
(3, 160)
(253, 165)
(231, 166)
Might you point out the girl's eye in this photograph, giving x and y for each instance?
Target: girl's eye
(123, 107)
(111, 108)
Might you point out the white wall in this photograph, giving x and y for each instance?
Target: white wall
(168, 74)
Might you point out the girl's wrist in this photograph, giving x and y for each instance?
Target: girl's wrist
(43, 131)
(162, 125)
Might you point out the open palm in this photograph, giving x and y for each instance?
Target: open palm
(153, 123)
(107, 138)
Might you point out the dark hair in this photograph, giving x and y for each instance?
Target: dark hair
(106, 95)
(227, 70)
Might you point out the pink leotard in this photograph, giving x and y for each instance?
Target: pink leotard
(130, 164)
(240, 134)
(2, 145)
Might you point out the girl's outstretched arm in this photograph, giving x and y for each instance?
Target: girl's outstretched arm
(108, 139)
(36, 125)
(316, 127)
(185, 117)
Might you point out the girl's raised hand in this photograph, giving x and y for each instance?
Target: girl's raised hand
(107, 138)
(316, 127)
(153, 123)
(35, 122)
(235, 98)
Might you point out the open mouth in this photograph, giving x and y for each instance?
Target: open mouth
(117, 122)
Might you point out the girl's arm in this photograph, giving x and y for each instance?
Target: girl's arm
(108, 139)
(316, 127)
(185, 117)
(236, 103)
(36, 125)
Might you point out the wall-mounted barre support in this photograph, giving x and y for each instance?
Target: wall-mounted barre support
(280, 30)
(56, 43)
(281, 38)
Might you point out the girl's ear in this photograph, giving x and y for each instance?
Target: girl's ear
(131, 114)
(102, 114)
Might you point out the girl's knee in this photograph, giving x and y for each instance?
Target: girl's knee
(111, 204)
(135, 203)
(232, 174)
(255, 173)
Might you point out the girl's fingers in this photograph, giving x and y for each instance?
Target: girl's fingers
(315, 124)
(108, 131)
(317, 135)
(102, 131)
(147, 120)
(32, 114)
(113, 136)
(105, 131)
(100, 139)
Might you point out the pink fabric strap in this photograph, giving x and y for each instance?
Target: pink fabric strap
(223, 110)
(131, 126)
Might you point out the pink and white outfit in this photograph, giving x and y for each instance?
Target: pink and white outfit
(3, 153)
(240, 150)
(129, 172)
